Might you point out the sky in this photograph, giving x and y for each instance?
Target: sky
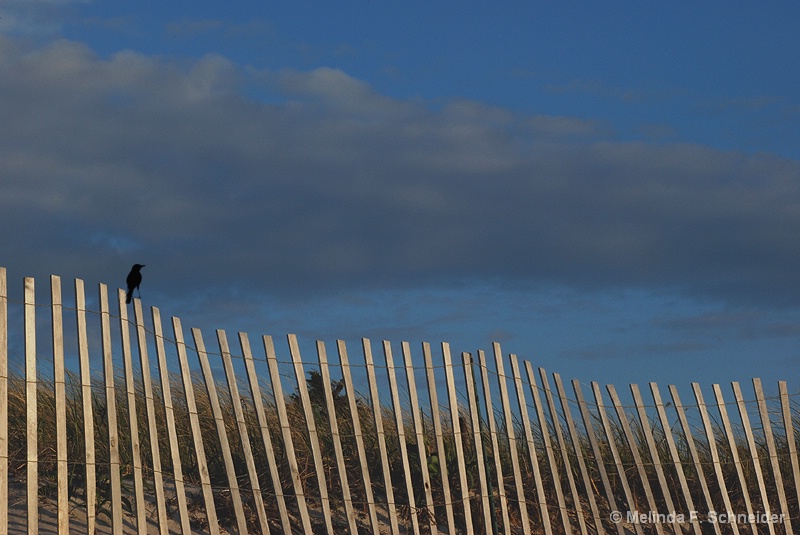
(610, 190)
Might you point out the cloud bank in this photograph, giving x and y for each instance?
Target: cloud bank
(305, 182)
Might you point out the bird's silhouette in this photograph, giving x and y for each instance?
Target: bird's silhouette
(134, 280)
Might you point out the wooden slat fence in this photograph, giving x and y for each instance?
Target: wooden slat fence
(286, 443)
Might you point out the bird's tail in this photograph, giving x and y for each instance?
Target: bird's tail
(128, 297)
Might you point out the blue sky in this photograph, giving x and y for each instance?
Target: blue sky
(612, 191)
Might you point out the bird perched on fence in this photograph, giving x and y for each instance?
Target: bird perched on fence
(134, 280)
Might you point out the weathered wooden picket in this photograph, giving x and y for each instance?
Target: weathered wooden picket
(295, 448)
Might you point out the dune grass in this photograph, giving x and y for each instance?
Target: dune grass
(736, 492)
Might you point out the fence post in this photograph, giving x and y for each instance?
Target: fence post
(147, 386)
(286, 433)
(637, 457)
(378, 418)
(512, 439)
(673, 451)
(313, 438)
(169, 412)
(576, 447)
(141, 517)
(219, 421)
(359, 437)
(455, 422)
(726, 424)
(712, 446)
(258, 403)
(588, 425)
(687, 433)
(469, 381)
(60, 398)
(788, 426)
(532, 453)
(244, 436)
(86, 397)
(30, 403)
(498, 465)
(437, 431)
(651, 445)
(197, 433)
(548, 446)
(422, 450)
(612, 445)
(325, 372)
(773, 455)
(401, 434)
(751, 444)
(111, 412)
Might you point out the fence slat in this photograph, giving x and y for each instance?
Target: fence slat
(378, 419)
(258, 403)
(169, 413)
(325, 372)
(130, 388)
(197, 433)
(219, 421)
(588, 425)
(313, 437)
(712, 446)
(612, 445)
(512, 439)
(401, 434)
(433, 396)
(541, 498)
(422, 449)
(3, 402)
(152, 427)
(576, 448)
(788, 426)
(30, 404)
(637, 457)
(751, 445)
(498, 466)
(60, 398)
(676, 460)
(562, 506)
(286, 434)
(644, 421)
(475, 422)
(455, 422)
(111, 412)
(773, 455)
(359, 437)
(86, 398)
(244, 436)
(689, 437)
(726, 425)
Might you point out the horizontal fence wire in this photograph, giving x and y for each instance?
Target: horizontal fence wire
(262, 437)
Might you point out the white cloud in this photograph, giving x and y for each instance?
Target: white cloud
(331, 185)
(33, 17)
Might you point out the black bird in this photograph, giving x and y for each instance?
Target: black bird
(134, 280)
